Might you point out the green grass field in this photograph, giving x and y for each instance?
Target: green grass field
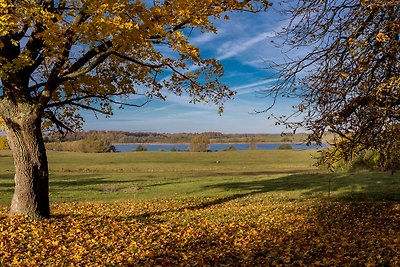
(240, 208)
(160, 175)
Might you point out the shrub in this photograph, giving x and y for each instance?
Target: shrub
(199, 143)
(4, 143)
(94, 145)
(253, 144)
(230, 148)
(364, 160)
(342, 157)
(141, 148)
(287, 139)
(285, 147)
(87, 145)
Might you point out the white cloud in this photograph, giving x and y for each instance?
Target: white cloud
(231, 49)
(205, 38)
(252, 87)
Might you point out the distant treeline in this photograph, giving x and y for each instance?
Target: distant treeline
(151, 137)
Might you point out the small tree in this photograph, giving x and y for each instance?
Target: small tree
(141, 148)
(285, 147)
(253, 144)
(199, 143)
(230, 148)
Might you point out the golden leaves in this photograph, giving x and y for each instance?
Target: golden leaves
(381, 37)
(253, 231)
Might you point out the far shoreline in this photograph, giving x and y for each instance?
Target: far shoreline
(219, 143)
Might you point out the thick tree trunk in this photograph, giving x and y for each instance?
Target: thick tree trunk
(31, 195)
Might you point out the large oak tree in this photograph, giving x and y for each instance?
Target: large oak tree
(57, 57)
(348, 81)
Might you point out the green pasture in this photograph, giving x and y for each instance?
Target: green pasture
(165, 175)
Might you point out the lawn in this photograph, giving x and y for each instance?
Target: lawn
(241, 208)
(153, 175)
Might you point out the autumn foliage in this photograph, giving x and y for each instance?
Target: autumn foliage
(249, 231)
(199, 143)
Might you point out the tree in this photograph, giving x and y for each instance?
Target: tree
(199, 143)
(349, 82)
(252, 143)
(57, 57)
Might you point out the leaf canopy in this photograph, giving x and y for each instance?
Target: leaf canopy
(66, 55)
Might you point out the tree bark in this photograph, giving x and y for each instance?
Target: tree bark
(31, 193)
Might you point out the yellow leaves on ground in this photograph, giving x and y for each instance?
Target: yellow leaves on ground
(252, 231)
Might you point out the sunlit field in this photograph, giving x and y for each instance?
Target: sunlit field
(240, 208)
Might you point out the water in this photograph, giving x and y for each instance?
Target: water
(213, 147)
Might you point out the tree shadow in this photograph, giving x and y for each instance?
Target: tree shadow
(201, 174)
(68, 183)
(350, 186)
(85, 180)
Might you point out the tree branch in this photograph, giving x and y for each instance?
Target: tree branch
(59, 124)
(73, 101)
(153, 66)
(106, 45)
(100, 59)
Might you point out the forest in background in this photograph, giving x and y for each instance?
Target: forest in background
(153, 137)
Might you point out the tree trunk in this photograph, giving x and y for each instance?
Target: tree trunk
(31, 193)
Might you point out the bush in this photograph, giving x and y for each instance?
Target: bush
(87, 145)
(253, 144)
(342, 157)
(199, 143)
(231, 148)
(141, 148)
(287, 139)
(285, 147)
(364, 160)
(94, 145)
(4, 143)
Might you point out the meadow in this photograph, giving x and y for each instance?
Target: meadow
(236, 208)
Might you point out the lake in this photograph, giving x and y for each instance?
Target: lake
(213, 147)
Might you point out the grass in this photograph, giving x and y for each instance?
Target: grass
(164, 175)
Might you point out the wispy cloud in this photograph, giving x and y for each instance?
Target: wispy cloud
(252, 87)
(205, 37)
(231, 49)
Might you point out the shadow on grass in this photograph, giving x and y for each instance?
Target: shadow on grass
(7, 177)
(95, 181)
(351, 186)
(245, 173)
(77, 180)
(363, 186)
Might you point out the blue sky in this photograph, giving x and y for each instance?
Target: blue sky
(243, 45)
